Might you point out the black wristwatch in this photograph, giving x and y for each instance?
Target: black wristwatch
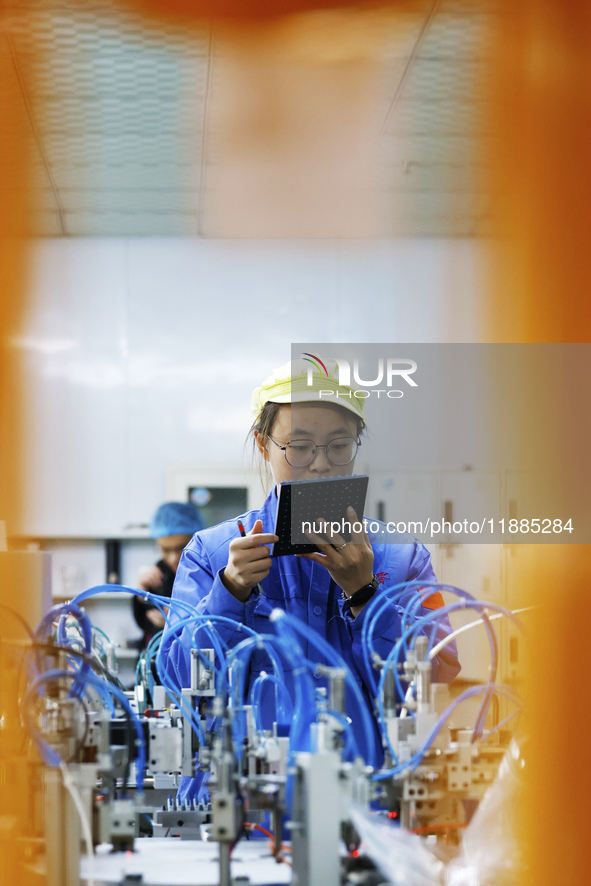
(363, 595)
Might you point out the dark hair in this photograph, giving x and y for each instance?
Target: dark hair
(263, 426)
(264, 423)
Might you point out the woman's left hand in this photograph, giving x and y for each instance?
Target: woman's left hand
(349, 563)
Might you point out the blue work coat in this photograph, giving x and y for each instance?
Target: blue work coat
(306, 590)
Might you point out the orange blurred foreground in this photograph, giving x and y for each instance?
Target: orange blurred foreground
(15, 783)
(539, 292)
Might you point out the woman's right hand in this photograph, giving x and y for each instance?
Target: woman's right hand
(249, 561)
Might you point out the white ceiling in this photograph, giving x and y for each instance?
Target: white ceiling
(119, 113)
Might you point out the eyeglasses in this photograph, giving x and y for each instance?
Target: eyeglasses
(301, 453)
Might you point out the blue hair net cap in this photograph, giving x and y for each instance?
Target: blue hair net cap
(176, 518)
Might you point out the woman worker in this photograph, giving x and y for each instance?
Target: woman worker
(301, 437)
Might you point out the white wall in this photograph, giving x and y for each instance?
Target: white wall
(142, 353)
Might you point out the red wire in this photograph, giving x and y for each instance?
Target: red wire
(249, 824)
(276, 850)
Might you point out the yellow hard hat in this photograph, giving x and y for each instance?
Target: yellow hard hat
(308, 380)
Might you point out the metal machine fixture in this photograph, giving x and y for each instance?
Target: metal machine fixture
(113, 758)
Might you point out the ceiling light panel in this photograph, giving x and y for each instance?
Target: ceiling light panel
(432, 151)
(119, 109)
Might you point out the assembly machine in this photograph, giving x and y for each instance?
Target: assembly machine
(326, 807)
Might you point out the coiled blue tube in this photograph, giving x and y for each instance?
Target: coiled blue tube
(416, 758)
(373, 610)
(60, 612)
(412, 632)
(175, 691)
(283, 716)
(50, 754)
(274, 647)
(43, 630)
(156, 599)
(288, 624)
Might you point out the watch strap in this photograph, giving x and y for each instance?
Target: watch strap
(363, 595)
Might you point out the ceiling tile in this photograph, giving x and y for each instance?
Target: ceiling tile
(116, 110)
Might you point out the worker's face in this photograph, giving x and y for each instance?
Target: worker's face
(321, 423)
(171, 547)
